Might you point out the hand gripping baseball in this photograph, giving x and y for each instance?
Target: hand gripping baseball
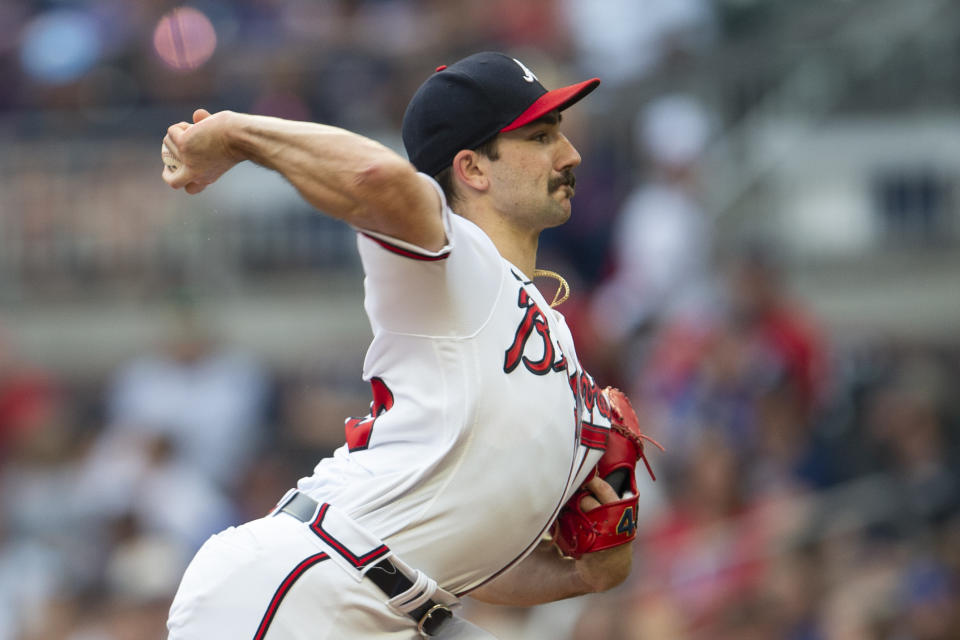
(196, 155)
(613, 523)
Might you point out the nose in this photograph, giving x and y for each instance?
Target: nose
(568, 156)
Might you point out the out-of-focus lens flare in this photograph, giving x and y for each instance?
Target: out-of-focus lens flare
(184, 38)
(60, 46)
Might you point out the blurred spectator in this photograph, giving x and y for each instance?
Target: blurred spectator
(28, 400)
(931, 594)
(710, 548)
(790, 454)
(788, 360)
(135, 475)
(624, 40)
(906, 420)
(662, 238)
(534, 24)
(795, 585)
(39, 556)
(702, 384)
(31, 575)
(603, 181)
(183, 426)
(782, 328)
(206, 400)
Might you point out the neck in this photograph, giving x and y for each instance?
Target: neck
(517, 246)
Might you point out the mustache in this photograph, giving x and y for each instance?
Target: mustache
(566, 178)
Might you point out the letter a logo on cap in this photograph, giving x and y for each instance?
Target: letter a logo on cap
(527, 74)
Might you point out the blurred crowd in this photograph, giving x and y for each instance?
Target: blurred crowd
(807, 492)
(348, 62)
(810, 486)
(98, 74)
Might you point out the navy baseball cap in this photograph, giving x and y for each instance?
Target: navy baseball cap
(463, 105)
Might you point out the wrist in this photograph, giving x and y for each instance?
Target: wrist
(235, 129)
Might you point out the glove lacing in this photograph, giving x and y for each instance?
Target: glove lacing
(639, 439)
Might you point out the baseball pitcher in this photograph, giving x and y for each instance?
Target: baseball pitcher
(491, 463)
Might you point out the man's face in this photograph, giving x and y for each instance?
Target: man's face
(532, 181)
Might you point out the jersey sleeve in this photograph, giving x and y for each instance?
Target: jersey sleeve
(444, 293)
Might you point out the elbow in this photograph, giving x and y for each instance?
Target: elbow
(384, 189)
(385, 176)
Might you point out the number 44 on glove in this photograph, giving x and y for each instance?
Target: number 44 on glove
(576, 531)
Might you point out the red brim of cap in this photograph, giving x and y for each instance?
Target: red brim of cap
(558, 99)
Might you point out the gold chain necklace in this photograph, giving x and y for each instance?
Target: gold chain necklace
(563, 290)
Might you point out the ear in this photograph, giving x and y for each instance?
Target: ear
(468, 170)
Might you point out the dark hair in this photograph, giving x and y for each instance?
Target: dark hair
(488, 149)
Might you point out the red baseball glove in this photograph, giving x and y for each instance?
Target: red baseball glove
(576, 531)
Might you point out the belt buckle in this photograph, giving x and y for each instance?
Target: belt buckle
(431, 621)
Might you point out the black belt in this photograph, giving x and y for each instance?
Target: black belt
(429, 616)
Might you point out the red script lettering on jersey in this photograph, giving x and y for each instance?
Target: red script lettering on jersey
(533, 321)
(359, 430)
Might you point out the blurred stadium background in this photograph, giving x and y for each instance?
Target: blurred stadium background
(764, 253)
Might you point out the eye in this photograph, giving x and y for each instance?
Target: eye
(541, 137)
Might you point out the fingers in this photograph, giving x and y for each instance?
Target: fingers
(602, 492)
(175, 136)
(171, 165)
(588, 503)
(174, 172)
(180, 141)
(175, 178)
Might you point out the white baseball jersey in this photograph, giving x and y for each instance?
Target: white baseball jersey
(482, 425)
(473, 442)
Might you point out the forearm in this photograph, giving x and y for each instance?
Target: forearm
(343, 174)
(544, 576)
(337, 171)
